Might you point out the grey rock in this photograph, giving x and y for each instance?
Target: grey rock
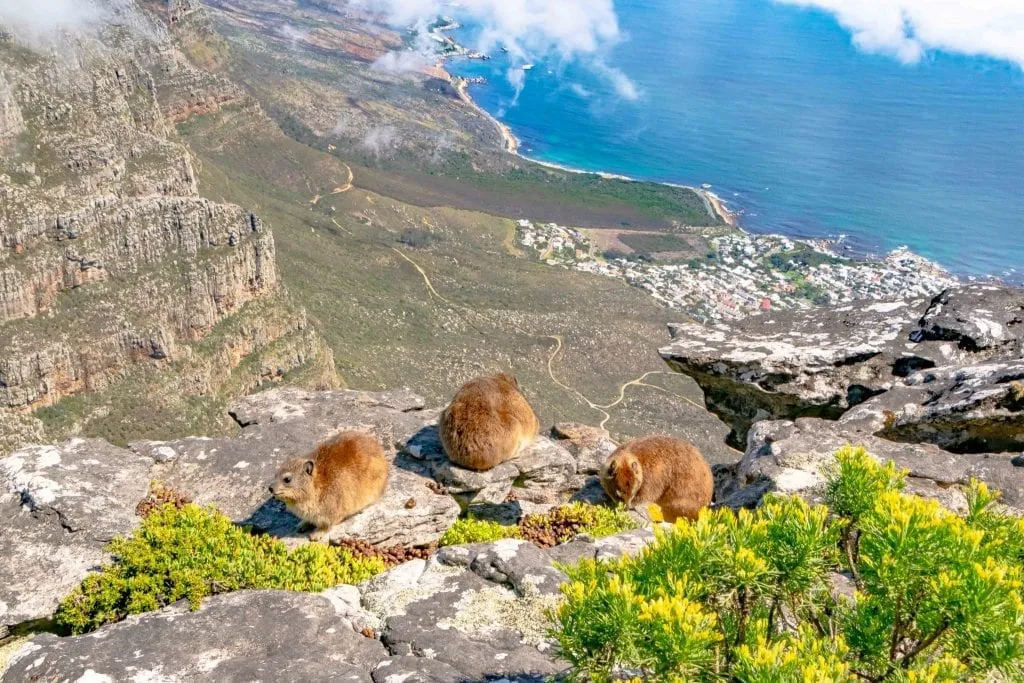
(962, 408)
(543, 473)
(415, 670)
(591, 446)
(978, 317)
(961, 352)
(481, 629)
(245, 636)
(233, 473)
(60, 506)
(520, 565)
(790, 457)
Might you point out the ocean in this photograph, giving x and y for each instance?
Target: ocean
(792, 126)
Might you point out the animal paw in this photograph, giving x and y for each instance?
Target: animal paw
(319, 535)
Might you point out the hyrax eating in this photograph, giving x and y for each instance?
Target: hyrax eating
(663, 470)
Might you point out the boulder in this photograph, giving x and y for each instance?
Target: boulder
(591, 446)
(60, 506)
(977, 318)
(544, 473)
(245, 636)
(950, 369)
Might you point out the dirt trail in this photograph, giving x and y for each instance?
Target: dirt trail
(603, 409)
(340, 188)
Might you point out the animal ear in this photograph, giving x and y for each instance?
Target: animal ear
(309, 467)
(635, 466)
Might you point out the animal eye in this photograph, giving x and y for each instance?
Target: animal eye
(288, 479)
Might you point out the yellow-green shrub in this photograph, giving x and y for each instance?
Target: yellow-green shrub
(192, 552)
(469, 530)
(747, 596)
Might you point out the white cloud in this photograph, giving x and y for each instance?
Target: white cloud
(402, 61)
(42, 24)
(907, 29)
(531, 30)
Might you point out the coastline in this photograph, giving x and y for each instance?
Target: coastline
(512, 145)
(715, 202)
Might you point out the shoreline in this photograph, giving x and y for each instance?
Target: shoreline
(512, 146)
(715, 202)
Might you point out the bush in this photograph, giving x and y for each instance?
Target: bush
(748, 596)
(560, 525)
(190, 552)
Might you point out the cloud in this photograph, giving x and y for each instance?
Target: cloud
(292, 34)
(44, 24)
(380, 140)
(402, 61)
(908, 29)
(580, 91)
(622, 83)
(531, 30)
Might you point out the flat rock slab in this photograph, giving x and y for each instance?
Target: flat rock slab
(244, 636)
(60, 506)
(963, 348)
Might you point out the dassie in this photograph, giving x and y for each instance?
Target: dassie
(659, 469)
(488, 422)
(338, 479)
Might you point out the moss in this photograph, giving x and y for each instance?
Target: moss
(189, 553)
(568, 521)
(469, 530)
(560, 525)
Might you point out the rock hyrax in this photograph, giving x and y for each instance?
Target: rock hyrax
(488, 422)
(659, 469)
(338, 479)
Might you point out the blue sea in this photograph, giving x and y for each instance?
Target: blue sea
(793, 126)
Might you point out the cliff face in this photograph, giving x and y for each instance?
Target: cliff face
(109, 258)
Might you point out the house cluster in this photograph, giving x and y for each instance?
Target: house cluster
(741, 274)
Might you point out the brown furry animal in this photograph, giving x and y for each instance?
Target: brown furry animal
(338, 479)
(488, 422)
(659, 469)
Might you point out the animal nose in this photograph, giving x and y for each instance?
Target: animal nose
(271, 489)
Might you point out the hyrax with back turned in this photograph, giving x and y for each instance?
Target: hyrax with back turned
(338, 479)
(488, 422)
(659, 469)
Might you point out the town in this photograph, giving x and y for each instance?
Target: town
(741, 274)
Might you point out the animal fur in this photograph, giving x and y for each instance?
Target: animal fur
(338, 479)
(488, 422)
(663, 470)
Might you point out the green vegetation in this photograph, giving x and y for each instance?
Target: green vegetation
(800, 258)
(560, 525)
(469, 530)
(663, 243)
(749, 596)
(188, 552)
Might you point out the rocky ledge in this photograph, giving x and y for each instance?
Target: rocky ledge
(937, 386)
(62, 504)
(470, 613)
